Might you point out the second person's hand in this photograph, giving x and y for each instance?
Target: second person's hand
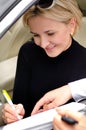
(59, 124)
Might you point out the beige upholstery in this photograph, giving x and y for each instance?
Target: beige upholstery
(9, 48)
(7, 74)
(13, 39)
(81, 34)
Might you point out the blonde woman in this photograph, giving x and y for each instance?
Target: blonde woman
(51, 60)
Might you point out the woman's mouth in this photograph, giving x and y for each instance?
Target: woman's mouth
(50, 48)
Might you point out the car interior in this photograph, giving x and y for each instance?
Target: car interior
(14, 38)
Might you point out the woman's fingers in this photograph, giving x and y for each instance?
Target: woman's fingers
(10, 115)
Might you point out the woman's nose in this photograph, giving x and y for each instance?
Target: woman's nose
(44, 42)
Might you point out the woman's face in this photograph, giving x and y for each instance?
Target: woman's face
(54, 37)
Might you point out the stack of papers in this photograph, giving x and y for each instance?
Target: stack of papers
(41, 121)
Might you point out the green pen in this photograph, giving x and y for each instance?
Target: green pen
(7, 97)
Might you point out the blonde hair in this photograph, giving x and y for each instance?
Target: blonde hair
(61, 11)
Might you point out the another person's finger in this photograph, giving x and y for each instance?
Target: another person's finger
(40, 104)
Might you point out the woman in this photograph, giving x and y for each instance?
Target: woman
(61, 125)
(53, 59)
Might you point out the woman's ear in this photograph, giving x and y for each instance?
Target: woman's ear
(72, 25)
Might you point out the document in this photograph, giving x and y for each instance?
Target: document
(41, 121)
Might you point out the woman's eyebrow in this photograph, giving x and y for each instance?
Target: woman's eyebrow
(44, 32)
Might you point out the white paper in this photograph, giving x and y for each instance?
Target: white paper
(41, 121)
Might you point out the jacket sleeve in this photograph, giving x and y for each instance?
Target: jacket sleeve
(78, 89)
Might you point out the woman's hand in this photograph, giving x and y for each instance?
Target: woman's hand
(9, 114)
(58, 124)
(53, 99)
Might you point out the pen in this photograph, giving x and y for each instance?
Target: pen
(72, 121)
(7, 97)
(69, 120)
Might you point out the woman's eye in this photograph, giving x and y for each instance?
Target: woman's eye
(50, 34)
(35, 35)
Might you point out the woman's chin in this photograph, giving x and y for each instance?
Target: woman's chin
(52, 55)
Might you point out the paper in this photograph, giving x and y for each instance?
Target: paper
(41, 121)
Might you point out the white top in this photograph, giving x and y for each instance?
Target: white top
(78, 89)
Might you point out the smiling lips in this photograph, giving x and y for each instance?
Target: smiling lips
(50, 47)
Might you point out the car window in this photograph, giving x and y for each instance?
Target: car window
(14, 14)
(6, 6)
